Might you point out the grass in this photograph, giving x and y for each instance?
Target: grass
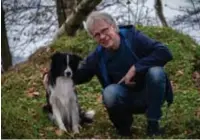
(22, 115)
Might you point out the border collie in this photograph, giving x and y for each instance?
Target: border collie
(62, 103)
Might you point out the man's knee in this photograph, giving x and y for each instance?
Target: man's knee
(156, 75)
(110, 95)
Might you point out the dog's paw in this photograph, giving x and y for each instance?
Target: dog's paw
(75, 129)
(80, 127)
(62, 128)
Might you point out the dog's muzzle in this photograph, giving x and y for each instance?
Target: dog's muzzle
(68, 74)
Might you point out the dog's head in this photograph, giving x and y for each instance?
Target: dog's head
(64, 64)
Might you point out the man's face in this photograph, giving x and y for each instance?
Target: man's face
(105, 34)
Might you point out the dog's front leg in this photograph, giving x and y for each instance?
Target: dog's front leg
(75, 117)
(58, 118)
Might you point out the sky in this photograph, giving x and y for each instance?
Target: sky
(169, 10)
(42, 41)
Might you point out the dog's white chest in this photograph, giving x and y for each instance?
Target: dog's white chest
(63, 90)
(63, 87)
(64, 104)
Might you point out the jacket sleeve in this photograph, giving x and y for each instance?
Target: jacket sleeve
(86, 69)
(153, 52)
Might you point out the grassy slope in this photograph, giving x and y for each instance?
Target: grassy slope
(22, 116)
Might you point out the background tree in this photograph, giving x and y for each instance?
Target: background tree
(29, 21)
(26, 23)
(60, 9)
(159, 12)
(129, 11)
(75, 19)
(190, 19)
(191, 16)
(5, 50)
(64, 8)
(32, 24)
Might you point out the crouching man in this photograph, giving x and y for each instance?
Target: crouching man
(129, 66)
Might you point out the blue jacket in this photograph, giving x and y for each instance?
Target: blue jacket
(146, 51)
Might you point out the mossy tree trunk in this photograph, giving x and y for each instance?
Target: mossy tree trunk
(64, 9)
(6, 56)
(74, 20)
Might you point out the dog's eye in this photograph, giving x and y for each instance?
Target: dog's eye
(65, 61)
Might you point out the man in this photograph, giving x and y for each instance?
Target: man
(129, 66)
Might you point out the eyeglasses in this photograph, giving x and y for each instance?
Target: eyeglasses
(103, 31)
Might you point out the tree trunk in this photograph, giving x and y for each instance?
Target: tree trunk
(74, 20)
(60, 12)
(64, 9)
(159, 12)
(5, 51)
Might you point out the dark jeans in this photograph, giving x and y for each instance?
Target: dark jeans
(121, 102)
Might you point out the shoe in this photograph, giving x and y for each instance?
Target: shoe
(124, 132)
(153, 129)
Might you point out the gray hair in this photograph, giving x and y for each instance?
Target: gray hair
(99, 16)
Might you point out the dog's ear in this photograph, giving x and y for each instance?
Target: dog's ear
(77, 58)
(55, 55)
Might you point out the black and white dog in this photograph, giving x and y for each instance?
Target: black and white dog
(62, 103)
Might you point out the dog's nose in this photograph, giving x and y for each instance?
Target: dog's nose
(68, 73)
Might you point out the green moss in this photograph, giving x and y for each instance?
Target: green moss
(22, 116)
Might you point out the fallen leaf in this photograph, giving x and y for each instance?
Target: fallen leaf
(50, 128)
(41, 134)
(36, 93)
(186, 132)
(198, 113)
(196, 79)
(30, 95)
(50, 49)
(196, 75)
(179, 73)
(174, 86)
(59, 132)
(194, 46)
(34, 83)
(30, 90)
(44, 70)
(99, 99)
(97, 137)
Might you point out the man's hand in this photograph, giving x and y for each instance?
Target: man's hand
(129, 76)
(45, 80)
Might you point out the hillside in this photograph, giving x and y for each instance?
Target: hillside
(23, 95)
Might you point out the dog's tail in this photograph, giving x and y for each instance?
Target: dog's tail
(86, 116)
